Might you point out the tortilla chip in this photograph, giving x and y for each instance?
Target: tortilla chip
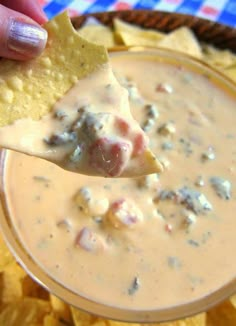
(182, 40)
(132, 35)
(61, 309)
(135, 35)
(136, 40)
(5, 255)
(24, 312)
(11, 283)
(118, 323)
(51, 320)
(148, 164)
(218, 58)
(231, 73)
(32, 289)
(82, 318)
(233, 300)
(29, 89)
(104, 322)
(222, 315)
(98, 34)
(80, 59)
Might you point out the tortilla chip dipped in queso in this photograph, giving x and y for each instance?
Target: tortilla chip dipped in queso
(67, 107)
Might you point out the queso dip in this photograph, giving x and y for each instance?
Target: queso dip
(89, 131)
(149, 242)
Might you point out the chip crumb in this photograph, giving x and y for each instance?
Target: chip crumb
(134, 286)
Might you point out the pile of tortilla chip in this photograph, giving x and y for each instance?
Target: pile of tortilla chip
(23, 302)
(181, 39)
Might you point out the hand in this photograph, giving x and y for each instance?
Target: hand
(21, 36)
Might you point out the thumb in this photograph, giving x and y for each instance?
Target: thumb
(20, 37)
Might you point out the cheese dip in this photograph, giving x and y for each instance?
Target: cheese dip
(90, 131)
(149, 242)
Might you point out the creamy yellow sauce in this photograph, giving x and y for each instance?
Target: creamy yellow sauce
(90, 131)
(149, 242)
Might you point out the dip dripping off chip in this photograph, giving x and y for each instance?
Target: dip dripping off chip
(66, 106)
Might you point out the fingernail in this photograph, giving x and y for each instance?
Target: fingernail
(26, 39)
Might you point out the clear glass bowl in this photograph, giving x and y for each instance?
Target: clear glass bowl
(40, 276)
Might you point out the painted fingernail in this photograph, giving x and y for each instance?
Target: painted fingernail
(26, 39)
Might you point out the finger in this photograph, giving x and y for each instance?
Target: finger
(20, 37)
(30, 8)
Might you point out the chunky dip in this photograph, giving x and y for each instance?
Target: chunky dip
(90, 131)
(153, 241)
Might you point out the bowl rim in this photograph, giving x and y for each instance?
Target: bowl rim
(187, 56)
(83, 303)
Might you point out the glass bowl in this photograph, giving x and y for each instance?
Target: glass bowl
(131, 315)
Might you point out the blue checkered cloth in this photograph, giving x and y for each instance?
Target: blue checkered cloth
(222, 11)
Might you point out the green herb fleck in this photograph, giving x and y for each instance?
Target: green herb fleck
(222, 187)
(193, 243)
(40, 178)
(194, 200)
(167, 146)
(152, 111)
(42, 244)
(134, 286)
(200, 182)
(206, 236)
(209, 155)
(174, 262)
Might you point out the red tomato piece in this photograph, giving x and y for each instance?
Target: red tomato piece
(122, 126)
(164, 88)
(109, 158)
(123, 213)
(139, 144)
(89, 240)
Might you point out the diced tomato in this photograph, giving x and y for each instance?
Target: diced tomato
(108, 157)
(168, 228)
(117, 204)
(122, 126)
(89, 240)
(139, 144)
(164, 88)
(123, 213)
